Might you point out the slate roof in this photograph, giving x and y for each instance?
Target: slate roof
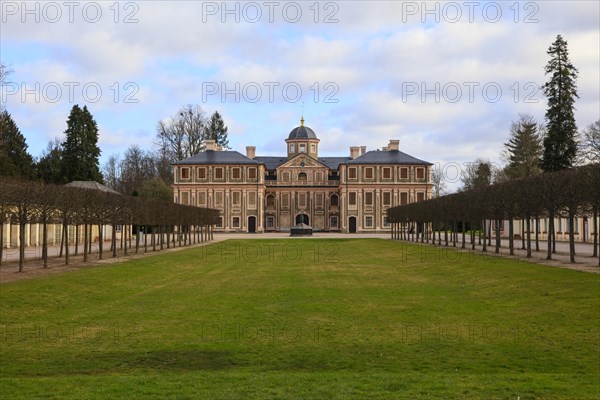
(387, 157)
(217, 157)
(234, 157)
(302, 132)
(91, 185)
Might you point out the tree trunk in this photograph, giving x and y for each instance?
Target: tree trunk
(66, 229)
(21, 245)
(511, 238)
(537, 234)
(549, 236)
(484, 233)
(85, 242)
(100, 241)
(76, 240)
(114, 241)
(1, 241)
(464, 239)
(528, 236)
(45, 243)
(523, 247)
(571, 237)
(62, 241)
(595, 254)
(497, 250)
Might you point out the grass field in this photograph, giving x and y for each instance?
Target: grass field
(303, 319)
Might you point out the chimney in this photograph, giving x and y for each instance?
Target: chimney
(211, 145)
(354, 150)
(394, 145)
(385, 148)
(250, 151)
(363, 150)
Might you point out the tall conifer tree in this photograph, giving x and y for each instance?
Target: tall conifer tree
(560, 145)
(80, 148)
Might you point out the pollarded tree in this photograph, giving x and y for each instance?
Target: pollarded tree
(14, 159)
(80, 148)
(217, 130)
(524, 148)
(560, 145)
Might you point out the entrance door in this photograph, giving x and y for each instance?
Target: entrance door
(352, 225)
(302, 219)
(252, 224)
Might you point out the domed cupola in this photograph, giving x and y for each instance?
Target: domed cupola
(302, 139)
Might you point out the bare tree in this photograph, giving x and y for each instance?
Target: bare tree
(590, 143)
(182, 135)
(437, 178)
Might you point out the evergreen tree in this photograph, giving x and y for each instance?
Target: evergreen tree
(80, 148)
(14, 158)
(560, 146)
(217, 131)
(477, 174)
(49, 165)
(524, 148)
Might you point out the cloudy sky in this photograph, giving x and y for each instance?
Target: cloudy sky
(446, 78)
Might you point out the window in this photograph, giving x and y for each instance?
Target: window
(219, 198)
(201, 173)
(420, 196)
(313, 148)
(302, 148)
(387, 173)
(403, 173)
(252, 199)
(286, 176)
(220, 222)
(185, 173)
(285, 200)
(352, 173)
(302, 200)
(302, 176)
(335, 200)
(333, 222)
(185, 198)
(235, 173)
(319, 200)
(420, 173)
(292, 148)
(369, 198)
(368, 173)
(386, 222)
(235, 222)
(270, 201)
(202, 198)
(218, 173)
(270, 222)
(387, 198)
(251, 173)
(368, 222)
(352, 198)
(235, 198)
(403, 199)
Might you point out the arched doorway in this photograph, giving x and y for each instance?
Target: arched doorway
(252, 224)
(352, 225)
(302, 219)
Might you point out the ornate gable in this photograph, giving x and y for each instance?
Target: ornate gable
(303, 161)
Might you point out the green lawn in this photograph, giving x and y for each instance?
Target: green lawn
(303, 319)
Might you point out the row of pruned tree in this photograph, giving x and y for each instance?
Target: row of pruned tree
(568, 194)
(164, 223)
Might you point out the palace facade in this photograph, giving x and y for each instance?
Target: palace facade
(272, 194)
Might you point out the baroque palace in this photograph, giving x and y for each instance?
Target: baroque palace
(272, 194)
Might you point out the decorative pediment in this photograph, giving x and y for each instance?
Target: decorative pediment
(302, 161)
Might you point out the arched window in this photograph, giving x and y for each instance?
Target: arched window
(270, 201)
(302, 176)
(334, 200)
